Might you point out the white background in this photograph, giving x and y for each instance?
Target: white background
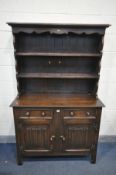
(58, 11)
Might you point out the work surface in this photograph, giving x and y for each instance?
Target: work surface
(56, 100)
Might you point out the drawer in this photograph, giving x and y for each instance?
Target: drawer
(80, 113)
(33, 113)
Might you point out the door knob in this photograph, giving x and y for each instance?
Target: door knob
(63, 138)
(43, 113)
(52, 138)
(27, 113)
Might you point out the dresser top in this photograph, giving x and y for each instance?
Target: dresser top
(55, 100)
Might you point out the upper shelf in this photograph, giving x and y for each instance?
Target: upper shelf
(58, 75)
(58, 54)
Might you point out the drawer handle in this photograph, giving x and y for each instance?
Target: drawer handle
(88, 113)
(52, 138)
(62, 138)
(43, 113)
(27, 113)
(49, 62)
(72, 113)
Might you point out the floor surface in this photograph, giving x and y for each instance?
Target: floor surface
(105, 165)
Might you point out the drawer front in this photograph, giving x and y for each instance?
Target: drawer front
(32, 113)
(80, 113)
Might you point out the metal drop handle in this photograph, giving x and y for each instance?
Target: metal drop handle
(63, 138)
(52, 138)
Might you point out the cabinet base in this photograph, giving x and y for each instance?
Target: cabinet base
(92, 158)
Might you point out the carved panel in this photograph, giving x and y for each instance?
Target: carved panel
(34, 136)
(78, 136)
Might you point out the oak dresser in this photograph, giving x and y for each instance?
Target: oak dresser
(57, 111)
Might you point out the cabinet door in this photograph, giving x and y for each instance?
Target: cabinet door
(78, 133)
(35, 134)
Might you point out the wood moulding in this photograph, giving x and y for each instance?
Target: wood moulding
(58, 29)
